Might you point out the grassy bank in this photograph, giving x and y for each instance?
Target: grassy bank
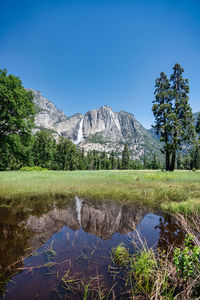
(177, 192)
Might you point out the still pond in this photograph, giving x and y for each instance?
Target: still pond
(60, 251)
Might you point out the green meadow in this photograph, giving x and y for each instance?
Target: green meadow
(176, 192)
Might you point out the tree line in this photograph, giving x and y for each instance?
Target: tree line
(47, 152)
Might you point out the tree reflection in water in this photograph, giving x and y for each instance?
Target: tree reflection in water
(170, 232)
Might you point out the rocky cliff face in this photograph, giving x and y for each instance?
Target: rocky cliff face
(47, 114)
(100, 129)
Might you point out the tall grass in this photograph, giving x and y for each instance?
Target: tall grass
(176, 192)
(162, 275)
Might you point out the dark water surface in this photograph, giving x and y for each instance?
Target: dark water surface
(81, 235)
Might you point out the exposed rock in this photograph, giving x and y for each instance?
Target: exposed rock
(100, 129)
(47, 114)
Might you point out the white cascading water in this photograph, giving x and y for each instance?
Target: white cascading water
(78, 208)
(80, 133)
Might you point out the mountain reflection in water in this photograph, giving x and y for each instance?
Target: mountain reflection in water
(75, 230)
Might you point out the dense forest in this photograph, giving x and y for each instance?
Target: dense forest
(20, 148)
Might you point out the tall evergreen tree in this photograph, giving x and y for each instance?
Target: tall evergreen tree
(182, 117)
(179, 161)
(125, 157)
(195, 150)
(119, 164)
(89, 161)
(104, 159)
(155, 163)
(162, 109)
(198, 125)
(173, 114)
(195, 156)
(187, 162)
(112, 160)
(82, 153)
(73, 158)
(145, 161)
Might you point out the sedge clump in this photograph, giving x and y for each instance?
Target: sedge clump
(120, 255)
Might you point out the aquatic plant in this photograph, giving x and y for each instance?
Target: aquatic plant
(144, 266)
(90, 288)
(120, 255)
(172, 274)
(49, 253)
(70, 281)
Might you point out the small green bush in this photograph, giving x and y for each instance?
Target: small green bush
(187, 260)
(34, 168)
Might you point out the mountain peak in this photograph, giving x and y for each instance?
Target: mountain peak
(100, 129)
(105, 107)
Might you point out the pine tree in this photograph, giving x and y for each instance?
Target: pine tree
(182, 117)
(125, 157)
(104, 159)
(112, 160)
(98, 163)
(155, 163)
(179, 161)
(145, 161)
(119, 164)
(173, 114)
(82, 153)
(162, 110)
(198, 125)
(187, 162)
(73, 158)
(195, 151)
(89, 161)
(195, 156)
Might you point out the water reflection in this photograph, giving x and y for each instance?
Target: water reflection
(170, 232)
(101, 219)
(14, 237)
(77, 229)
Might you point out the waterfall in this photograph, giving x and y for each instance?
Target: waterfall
(80, 132)
(78, 208)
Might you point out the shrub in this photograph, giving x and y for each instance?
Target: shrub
(34, 168)
(187, 259)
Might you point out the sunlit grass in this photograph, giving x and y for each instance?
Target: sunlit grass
(190, 206)
(174, 191)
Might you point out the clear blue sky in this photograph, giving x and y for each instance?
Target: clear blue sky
(84, 54)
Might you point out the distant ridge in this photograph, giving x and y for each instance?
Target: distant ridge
(101, 129)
